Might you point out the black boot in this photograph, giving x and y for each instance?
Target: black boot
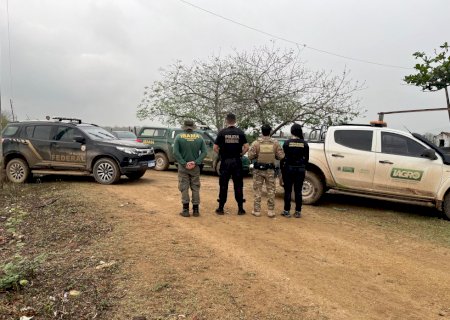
(241, 210)
(195, 211)
(185, 212)
(220, 210)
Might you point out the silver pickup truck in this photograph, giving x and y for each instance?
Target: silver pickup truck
(380, 163)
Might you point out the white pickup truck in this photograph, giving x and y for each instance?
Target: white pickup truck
(380, 163)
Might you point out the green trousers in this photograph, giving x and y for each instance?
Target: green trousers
(189, 179)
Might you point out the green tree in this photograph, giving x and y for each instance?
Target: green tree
(4, 119)
(433, 72)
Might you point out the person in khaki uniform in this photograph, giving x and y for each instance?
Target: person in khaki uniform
(265, 150)
(189, 150)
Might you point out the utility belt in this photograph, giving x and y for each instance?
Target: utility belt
(263, 166)
(295, 167)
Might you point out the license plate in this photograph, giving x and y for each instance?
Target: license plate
(151, 163)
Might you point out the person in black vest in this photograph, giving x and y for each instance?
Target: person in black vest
(293, 169)
(231, 144)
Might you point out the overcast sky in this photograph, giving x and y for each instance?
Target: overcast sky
(92, 58)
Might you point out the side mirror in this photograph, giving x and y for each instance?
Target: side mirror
(79, 139)
(429, 154)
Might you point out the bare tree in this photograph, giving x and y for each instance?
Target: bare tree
(267, 85)
(277, 88)
(200, 92)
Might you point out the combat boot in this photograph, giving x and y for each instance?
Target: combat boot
(270, 213)
(220, 210)
(185, 211)
(256, 213)
(195, 211)
(286, 214)
(241, 210)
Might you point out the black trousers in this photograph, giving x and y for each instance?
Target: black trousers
(231, 168)
(293, 177)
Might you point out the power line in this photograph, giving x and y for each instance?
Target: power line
(292, 41)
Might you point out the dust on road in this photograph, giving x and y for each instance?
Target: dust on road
(325, 265)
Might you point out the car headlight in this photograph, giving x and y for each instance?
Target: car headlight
(152, 151)
(128, 150)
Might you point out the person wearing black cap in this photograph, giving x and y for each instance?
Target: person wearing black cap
(231, 144)
(293, 169)
(189, 150)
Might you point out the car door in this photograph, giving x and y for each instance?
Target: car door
(400, 169)
(38, 145)
(66, 153)
(351, 157)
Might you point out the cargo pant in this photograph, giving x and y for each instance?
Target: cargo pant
(189, 179)
(259, 177)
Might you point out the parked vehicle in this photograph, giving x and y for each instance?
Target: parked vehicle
(162, 139)
(125, 135)
(70, 147)
(378, 162)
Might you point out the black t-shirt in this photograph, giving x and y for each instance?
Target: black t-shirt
(230, 141)
(296, 152)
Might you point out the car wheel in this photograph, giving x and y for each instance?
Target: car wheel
(17, 170)
(106, 171)
(446, 205)
(135, 175)
(312, 189)
(162, 162)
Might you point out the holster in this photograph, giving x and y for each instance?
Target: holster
(263, 166)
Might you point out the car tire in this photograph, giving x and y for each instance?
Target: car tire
(17, 170)
(106, 171)
(313, 188)
(135, 175)
(446, 206)
(162, 162)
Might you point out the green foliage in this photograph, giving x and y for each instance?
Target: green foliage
(4, 119)
(14, 273)
(433, 72)
(16, 218)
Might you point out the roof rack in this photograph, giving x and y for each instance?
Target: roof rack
(60, 119)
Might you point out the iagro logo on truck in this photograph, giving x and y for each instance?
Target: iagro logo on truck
(407, 174)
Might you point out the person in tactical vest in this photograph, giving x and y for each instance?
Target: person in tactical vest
(189, 150)
(265, 150)
(293, 168)
(231, 144)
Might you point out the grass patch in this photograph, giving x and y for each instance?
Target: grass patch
(48, 254)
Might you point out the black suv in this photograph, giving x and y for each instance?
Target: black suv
(68, 146)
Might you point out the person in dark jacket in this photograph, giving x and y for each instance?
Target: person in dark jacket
(231, 144)
(189, 150)
(293, 169)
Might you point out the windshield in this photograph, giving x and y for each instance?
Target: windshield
(125, 135)
(212, 134)
(97, 133)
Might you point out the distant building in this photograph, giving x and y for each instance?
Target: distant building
(442, 139)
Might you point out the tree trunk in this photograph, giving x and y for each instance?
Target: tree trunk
(448, 101)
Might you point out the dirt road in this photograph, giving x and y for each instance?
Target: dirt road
(339, 261)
